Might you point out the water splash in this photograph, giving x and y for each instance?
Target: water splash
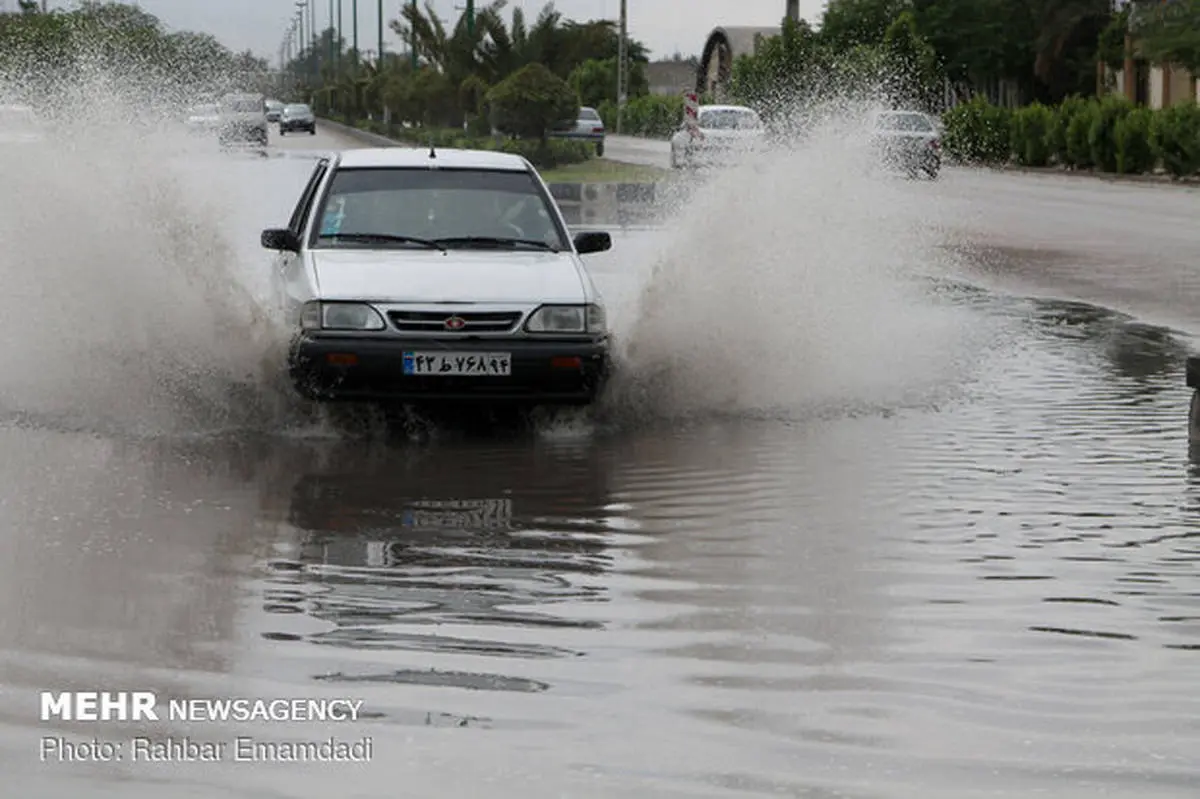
(127, 299)
(786, 282)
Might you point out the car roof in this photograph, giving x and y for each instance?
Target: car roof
(419, 157)
(740, 108)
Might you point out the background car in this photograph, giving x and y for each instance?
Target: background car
(243, 119)
(724, 133)
(908, 141)
(297, 116)
(274, 110)
(588, 127)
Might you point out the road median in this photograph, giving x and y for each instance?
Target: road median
(598, 191)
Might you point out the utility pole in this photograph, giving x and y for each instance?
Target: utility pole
(332, 54)
(339, 36)
(412, 37)
(621, 65)
(471, 17)
(354, 28)
(379, 58)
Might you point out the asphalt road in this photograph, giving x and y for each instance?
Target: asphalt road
(838, 537)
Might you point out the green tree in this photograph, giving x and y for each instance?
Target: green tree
(531, 101)
(595, 81)
(1170, 33)
(847, 24)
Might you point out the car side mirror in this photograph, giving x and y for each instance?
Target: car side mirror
(592, 241)
(280, 239)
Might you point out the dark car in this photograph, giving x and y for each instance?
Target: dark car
(297, 117)
(907, 141)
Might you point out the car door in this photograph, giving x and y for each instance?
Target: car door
(292, 285)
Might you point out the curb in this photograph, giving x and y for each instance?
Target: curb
(1153, 179)
(366, 137)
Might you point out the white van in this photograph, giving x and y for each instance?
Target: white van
(243, 119)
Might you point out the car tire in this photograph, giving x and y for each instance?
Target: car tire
(312, 131)
(600, 150)
(282, 132)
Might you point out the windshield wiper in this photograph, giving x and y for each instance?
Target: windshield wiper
(494, 241)
(388, 237)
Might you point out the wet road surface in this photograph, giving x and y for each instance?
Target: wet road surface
(979, 580)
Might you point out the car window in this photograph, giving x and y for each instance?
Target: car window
(917, 123)
(729, 119)
(295, 110)
(588, 114)
(296, 223)
(437, 204)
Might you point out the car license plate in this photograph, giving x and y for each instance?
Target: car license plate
(483, 364)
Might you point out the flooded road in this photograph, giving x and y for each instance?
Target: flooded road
(975, 574)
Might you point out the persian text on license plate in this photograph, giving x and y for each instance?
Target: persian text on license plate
(483, 364)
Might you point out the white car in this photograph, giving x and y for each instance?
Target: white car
(243, 119)
(723, 134)
(417, 276)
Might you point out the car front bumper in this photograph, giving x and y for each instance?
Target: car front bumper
(329, 368)
(297, 124)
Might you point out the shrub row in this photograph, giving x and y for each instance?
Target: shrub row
(1107, 135)
(555, 153)
(652, 115)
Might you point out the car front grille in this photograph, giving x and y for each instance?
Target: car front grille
(436, 321)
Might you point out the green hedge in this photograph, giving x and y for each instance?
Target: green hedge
(652, 115)
(1106, 135)
(556, 153)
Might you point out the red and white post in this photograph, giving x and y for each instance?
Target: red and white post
(691, 113)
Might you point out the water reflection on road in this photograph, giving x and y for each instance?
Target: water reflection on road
(990, 591)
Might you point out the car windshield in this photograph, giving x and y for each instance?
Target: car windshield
(244, 106)
(296, 110)
(729, 119)
(915, 123)
(436, 204)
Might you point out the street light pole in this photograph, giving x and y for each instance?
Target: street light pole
(332, 55)
(379, 58)
(354, 28)
(339, 36)
(621, 65)
(471, 17)
(412, 38)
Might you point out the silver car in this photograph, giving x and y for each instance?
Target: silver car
(587, 127)
(723, 134)
(908, 141)
(297, 117)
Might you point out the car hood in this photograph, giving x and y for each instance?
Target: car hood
(458, 275)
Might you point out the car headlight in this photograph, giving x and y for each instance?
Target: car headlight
(567, 319)
(340, 316)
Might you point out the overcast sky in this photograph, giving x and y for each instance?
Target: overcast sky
(666, 26)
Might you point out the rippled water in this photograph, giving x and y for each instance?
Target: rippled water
(991, 596)
(986, 585)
